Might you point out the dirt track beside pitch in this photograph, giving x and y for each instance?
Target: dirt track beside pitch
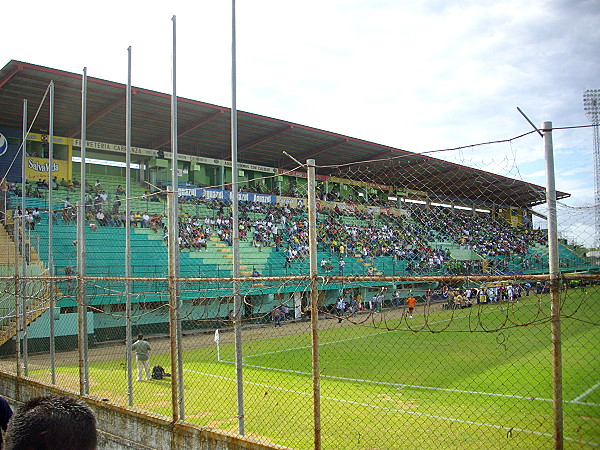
(115, 350)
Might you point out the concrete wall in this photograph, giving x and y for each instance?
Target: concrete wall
(122, 428)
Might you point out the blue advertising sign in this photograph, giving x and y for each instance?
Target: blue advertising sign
(224, 195)
(10, 158)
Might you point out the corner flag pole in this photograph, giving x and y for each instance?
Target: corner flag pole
(217, 339)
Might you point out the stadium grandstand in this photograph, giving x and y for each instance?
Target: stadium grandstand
(383, 212)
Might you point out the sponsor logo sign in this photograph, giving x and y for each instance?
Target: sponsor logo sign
(3, 144)
(36, 168)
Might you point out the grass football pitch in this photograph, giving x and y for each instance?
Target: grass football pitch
(471, 378)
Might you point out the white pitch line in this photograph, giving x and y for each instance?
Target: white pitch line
(574, 401)
(415, 413)
(468, 422)
(221, 377)
(401, 385)
(586, 393)
(414, 386)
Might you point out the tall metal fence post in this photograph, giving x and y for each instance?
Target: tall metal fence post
(51, 268)
(81, 252)
(174, 291)
(554, 287)
(314, 299)
(17, 293)
(23, 224)
(173, 304)
(237, 299)
(128, 325)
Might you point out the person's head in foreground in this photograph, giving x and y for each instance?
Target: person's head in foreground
(52, 422)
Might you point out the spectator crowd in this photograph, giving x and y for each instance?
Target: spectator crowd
(410, 237)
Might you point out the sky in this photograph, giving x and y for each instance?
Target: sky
(415, 75)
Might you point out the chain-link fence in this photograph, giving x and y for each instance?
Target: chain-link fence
(420, 308)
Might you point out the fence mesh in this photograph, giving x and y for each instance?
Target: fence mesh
(434, 309)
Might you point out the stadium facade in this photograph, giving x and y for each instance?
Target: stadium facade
(267, 179)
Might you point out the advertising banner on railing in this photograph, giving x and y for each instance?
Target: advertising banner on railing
(224, 195)
(291, 202)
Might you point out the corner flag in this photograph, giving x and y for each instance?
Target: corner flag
(217, 342)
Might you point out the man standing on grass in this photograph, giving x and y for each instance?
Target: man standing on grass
(142, 356)
(412, 302)
(340, 309)
(397, 299)
(375, 303)
(276, 313)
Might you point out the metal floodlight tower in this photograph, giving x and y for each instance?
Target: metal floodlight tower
(591, 106)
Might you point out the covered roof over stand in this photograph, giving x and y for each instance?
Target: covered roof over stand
(204, 130)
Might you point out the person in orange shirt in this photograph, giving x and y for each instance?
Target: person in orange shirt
(412, 302)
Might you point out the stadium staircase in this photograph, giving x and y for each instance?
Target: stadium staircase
(36, 294)
(35, 308)
(7, 249)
